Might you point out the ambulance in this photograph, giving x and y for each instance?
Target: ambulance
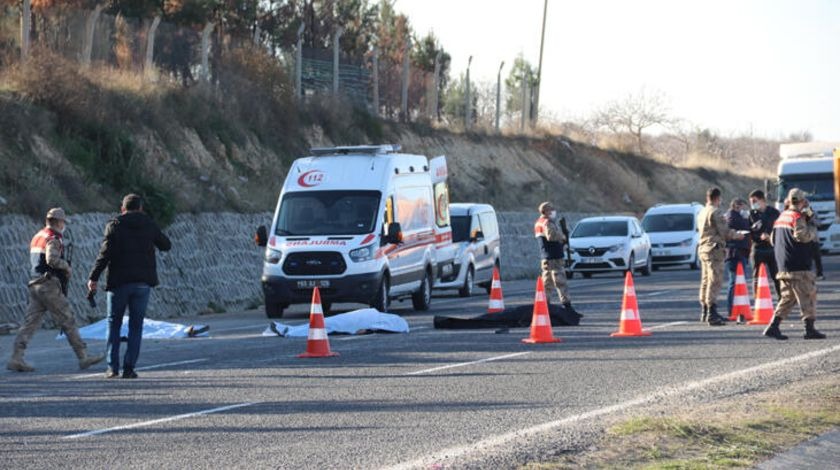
(364, 224)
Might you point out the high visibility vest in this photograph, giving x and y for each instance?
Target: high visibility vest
(548, 249)
(38, 251)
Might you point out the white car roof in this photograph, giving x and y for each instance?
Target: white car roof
(691, 208)
(469, 208)
(609, 218)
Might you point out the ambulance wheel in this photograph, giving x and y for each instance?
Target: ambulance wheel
(423, 297)
(274, 310)
(469, 283)
(382, 299)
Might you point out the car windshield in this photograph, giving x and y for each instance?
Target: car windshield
(818, 187)
(600, 229)
(460, 228)
(668, 223)
(328, 213)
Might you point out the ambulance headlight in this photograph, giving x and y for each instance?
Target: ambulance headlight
(364, 253)
(273, 256)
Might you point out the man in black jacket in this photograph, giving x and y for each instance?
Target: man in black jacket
(128, 251)
(762, 218)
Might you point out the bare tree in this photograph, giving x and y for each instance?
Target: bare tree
(635, 114)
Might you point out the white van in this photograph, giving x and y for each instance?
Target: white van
(673, 233)
(364, 224)
(475, 235)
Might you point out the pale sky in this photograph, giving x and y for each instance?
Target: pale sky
(727, 65)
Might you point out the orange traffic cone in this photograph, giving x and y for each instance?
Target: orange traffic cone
(763, 302)
(497, 302)
(317, 345)
(630, 323)
(741, 297)
(541, 321)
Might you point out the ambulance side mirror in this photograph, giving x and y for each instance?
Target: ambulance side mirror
(477, 235)
(261, 237)
(393, 233)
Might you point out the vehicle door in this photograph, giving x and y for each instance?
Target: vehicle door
(489, 244)
(641, 243)
(414, 213)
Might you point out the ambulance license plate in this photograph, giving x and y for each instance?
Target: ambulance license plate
(311, 284)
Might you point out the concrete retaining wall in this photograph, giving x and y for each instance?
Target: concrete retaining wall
(213, 264)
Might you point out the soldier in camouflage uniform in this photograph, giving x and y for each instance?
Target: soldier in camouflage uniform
(714, 233)
(793, 233)
(548, 231)
(47, 292)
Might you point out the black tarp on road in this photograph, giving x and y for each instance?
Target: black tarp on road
(510, 318)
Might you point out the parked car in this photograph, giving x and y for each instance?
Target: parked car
(609, 244)
(363, 224)
(674, 234)
(475, 234)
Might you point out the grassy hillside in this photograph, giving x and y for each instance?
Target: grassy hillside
(82, 138)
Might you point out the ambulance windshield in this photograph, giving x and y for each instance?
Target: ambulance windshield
(313, 213)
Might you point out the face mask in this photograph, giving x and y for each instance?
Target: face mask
(552, 215)
(755, 206)
(745, 213)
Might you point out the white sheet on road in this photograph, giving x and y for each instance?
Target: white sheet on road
(152, 329)
(356, 322)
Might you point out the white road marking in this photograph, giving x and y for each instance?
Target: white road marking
(456, 452)
(462, 364)
(654, 294)
(156, 366)
(666, 325)
(158, 421)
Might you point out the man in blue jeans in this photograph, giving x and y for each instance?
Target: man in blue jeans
(128, 252)
(737, 251)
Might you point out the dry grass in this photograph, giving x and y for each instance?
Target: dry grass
(735, 434)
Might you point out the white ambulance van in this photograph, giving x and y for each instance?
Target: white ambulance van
(364, 224)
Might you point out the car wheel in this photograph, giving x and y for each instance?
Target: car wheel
(587, 275)
(469, 283)
(631, 263)
(274, 310)
(326, 307)
(570, 274)
(423, 297)
(383, 295)
(648, 267)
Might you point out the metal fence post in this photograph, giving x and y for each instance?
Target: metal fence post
(205, 51)
(90, 29)
(467, 98)
(299, 63)
(436, 84)
(499, 94)
(25, 29)
(376, 81)
(406, 63)
(336, 49)
(148, 65)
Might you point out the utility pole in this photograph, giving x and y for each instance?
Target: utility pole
(526, 101)
(499, 95)
(405, 77)
(468, 111)
(436, 82)
(336, 49)
(299, 63)
(376, 81)
(539, 70)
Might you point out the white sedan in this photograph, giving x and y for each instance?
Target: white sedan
(609, 244)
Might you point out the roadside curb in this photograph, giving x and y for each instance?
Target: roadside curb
(822, 452)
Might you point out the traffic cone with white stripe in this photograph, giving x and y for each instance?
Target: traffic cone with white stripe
(630, 323)
(317, 345)
(541, 321)
(497, 302)
(741, 298)
(763, 302)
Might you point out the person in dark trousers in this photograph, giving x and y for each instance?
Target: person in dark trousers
(815, 245)
(762, 218)
(128, 252)
(737, 251)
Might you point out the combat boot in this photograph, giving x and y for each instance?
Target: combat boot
(811, 332)
(713, 318)
(704, 314)
(17, 364)
(773, 331)
(80, 348)
(87, 361)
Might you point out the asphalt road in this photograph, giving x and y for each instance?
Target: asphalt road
(428, 398)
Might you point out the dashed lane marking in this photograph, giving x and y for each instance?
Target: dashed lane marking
(462, 364)
(666, 325)
(152, 367)
(158, 421)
